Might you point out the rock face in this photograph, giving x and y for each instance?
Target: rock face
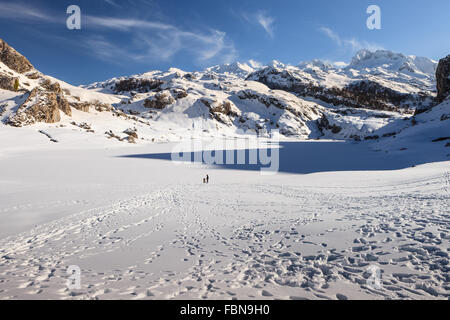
(222, 111)
(159, 101)
(40, 106)
(139, 85)
(13, 59)
(7, 82)
(52, 87)
(443, 78)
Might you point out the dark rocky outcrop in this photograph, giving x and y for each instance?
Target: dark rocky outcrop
(222, 111)
(443, 78)
(132, 132)
(52, 87)
(63, 104)
(225, 107)
(7, 82)
(140, 85)
(82, 106)
(323, 124)
(13, 59)
(178, 93)
(159, 101)
(40, 106)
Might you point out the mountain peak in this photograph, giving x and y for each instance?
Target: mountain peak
(367, 57)
(14, 60)
(276, 64)
(397, 62)
(236, 68)
(315, 63)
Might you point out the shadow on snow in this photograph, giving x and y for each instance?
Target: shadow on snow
(305, 157)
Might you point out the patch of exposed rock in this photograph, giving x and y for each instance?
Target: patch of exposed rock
(81, 106)
(159, 101)
(83, 125)
(443, 78)
(324, 124)
(53, 87)
(14, 60)
(7, 82)
(33, 75)
(132, 135)
(178, 93)
(140, 85)
(221, 110)
(40, 106)
(2, 109)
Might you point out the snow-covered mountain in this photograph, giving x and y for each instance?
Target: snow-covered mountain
(239, 69)
(380, 80)
(312, 100)
(375, 62)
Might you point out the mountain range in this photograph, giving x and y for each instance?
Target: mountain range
(377, 94)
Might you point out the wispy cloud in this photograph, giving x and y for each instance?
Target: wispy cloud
(266, 22)
(166, 40)
(352, 44)
(112, 3)
(124, 24)
(148, 41)
(261, 19)
(18, 11)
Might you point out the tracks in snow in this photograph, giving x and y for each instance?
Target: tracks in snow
(242, 241)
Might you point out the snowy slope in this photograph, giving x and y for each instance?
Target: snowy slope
(220, 103)
(141, 227)
(426, 136)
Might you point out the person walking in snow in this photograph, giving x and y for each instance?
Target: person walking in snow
(207, 179)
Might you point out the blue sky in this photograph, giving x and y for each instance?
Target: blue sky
(124, 37)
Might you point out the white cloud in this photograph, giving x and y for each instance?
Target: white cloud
(112, 2)
(148, 41)
(261, 19)
(160, 41)
(124, 24)
(17, 11)
(350, 44)
(266, 22)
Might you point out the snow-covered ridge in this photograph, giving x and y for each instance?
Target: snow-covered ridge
(236, 68)
(395, 62)
(312, 100)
